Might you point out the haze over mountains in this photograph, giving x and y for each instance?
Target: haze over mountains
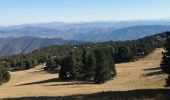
(23, 45)
(88, 31)
(28, 37)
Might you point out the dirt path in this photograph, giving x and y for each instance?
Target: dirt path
(142, 74)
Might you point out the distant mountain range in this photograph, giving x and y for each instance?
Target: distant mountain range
(23, 45)
(28, 37)
(95, 24)
(89, 31)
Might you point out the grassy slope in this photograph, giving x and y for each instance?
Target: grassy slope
(142, 74)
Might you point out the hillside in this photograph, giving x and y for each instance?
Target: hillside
(28, 39)
(141, 74)
(128, 33)
(27, 44)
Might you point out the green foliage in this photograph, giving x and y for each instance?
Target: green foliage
(87, 65)
(66, 68)
(105, 68)
(121, 51)
(165, 64)
(87, 62)
(4, 75)
(71, 66)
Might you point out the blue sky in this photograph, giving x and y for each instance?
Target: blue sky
(31, 11)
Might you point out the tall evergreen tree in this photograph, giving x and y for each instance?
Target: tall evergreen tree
(88, 68)
(4, 75)
(27, 65)
(165, 65)
(71, 66)
(66, 67)
(104, 70)
(77, 64)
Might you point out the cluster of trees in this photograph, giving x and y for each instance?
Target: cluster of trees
(18, 62)
(85, 61)
(121, 51)
(95, 65)
(165, 64)
(4, 75)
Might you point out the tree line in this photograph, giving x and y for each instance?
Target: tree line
(121, 51)
(90, 61)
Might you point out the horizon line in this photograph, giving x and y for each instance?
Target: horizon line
(92, 21)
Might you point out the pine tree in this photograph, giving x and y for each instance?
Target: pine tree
(77, 64)
(165, 65)
(49, 64)
(90, 71)
(4, 75)
(27, 65)
(66, 67)
(88, 68)
(71, 66)
(104, 68)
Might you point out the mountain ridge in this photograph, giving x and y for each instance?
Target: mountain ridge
(28, 37)
(26, 44)
(88, 34)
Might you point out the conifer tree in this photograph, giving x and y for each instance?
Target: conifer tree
(66, 67)
(4, 75)
(71, 66)
(165, 65)
(88, 68)
(104, 70)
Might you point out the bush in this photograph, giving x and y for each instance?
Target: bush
(4, 75)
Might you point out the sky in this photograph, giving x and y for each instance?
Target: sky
(14, 12)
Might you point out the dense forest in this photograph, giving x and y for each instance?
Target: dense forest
(90, 61)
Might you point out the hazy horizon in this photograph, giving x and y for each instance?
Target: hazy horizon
(92, 21)
(18, 12)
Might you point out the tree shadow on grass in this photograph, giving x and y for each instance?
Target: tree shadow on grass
(73, 83)
(43, 81)
(57, 80)
(152, 69)
(153, 73)
(149, 94)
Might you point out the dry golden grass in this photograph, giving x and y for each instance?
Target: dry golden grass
(142, 74)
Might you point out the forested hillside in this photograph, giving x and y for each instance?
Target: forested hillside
(90, 61)
(29, 38)
(121, 51)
